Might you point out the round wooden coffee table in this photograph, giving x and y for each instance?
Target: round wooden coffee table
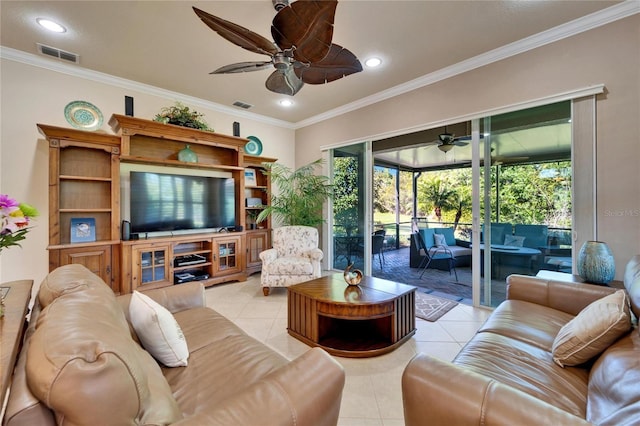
(367, 320)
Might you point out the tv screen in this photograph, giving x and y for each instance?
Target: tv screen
(164, 202)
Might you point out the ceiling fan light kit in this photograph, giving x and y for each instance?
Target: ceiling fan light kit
(303, 51)
(446, 147)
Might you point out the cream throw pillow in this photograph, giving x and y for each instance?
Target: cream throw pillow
(593, 330)
(158, 331)
(440, 240)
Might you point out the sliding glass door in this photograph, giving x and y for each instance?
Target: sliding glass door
(351, 207)
(525, 196)
(524, 174)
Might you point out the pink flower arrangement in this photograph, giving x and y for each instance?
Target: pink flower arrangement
(14, 221)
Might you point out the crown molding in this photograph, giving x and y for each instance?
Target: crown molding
(99, 77)
(577, 26)
(611, 14)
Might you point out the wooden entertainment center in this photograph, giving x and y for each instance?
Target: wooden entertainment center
(85, 192)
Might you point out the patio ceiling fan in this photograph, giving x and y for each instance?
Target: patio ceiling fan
(498, 160)
(303, 51)
(446, 141)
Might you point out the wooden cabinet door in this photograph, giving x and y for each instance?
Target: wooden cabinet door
(150, 266)
(96, 258)
(257, 242)
(227, 255)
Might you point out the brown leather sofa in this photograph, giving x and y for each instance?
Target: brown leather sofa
(505, 375)
(81, 364)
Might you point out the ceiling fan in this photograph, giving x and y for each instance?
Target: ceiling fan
(446, 141)
(498, 160)
(303, 51)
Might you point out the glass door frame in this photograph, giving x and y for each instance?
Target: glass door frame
(583, 165)
(367, 211)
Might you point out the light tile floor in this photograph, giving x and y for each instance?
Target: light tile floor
(372, 393)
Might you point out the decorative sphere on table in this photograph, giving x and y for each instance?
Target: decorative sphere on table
(596, 263)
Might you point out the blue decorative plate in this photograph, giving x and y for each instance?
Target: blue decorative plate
(254, 146)
(83, 115)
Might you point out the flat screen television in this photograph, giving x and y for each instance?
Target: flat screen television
(165, 202)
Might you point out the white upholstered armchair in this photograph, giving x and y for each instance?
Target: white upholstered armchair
(294, 258)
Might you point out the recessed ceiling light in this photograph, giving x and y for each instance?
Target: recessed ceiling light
(373, 62)
(51, 26)
(286, 102)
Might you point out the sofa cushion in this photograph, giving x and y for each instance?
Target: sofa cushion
(294, 265)
(448, 235)
(83, 363)
(632, 283)
(527, 368)
(428, 237)
(593, 330)
(224, 361)
(614, 394)
(527, 322)
(514, 240)
(158, 331)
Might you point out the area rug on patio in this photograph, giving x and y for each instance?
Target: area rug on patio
(431, 308)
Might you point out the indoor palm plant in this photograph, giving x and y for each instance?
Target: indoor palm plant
(301, 194)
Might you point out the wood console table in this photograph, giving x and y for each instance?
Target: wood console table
(12, 326)
(367, 320)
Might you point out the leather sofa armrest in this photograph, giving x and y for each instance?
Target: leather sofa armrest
(268, 255)
(307, 391)
(438, 392)
(175, 298)
(567, 297)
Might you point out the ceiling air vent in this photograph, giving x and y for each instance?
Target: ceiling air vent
(241, 104)
(57, 53)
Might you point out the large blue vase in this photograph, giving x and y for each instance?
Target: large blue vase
(595, 263)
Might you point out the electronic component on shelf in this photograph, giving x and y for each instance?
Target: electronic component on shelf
(190, 259)
(185, 277)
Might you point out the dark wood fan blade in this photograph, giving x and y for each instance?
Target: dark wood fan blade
(284, 82)
(242, 67)
(338, 63)
(238, 35)
(306, 25)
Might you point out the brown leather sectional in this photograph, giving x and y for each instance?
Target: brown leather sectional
(81, 365)
(505, 375)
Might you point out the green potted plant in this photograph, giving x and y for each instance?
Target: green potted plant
(181, 115)
(301, 194)
(253, 217)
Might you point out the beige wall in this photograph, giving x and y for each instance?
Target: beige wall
(33, 95)
(608, 55)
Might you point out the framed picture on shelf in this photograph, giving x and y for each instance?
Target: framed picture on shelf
(250, 177)
(83, 229)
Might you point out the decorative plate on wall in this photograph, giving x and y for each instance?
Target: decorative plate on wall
(83, 115)
(254, 146)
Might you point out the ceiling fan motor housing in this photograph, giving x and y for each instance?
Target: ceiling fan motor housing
(280, 61)
(280, 4)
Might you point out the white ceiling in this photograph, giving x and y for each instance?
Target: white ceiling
(164, 44)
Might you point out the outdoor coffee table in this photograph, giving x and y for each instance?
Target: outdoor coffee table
(370, 319)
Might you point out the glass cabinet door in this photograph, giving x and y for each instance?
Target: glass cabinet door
(151, 266)
(228, 251)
